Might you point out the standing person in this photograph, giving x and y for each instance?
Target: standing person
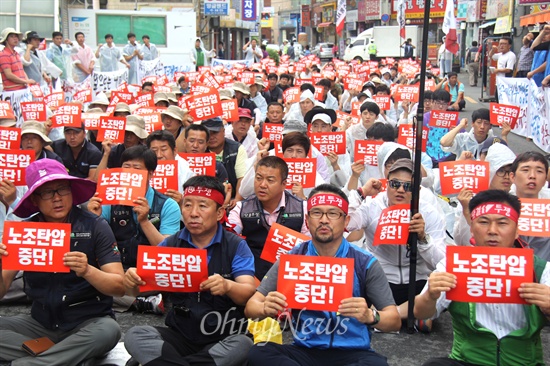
(526, 55)
(408, 49)
(31, 60)
(148, 49)
(83, 59)
(445, 58)
(199, 55)
(473, 65)
(290, 51)
(506, 59)
(372, 49)
(132, 54)
(109, 56)
(252, 52)
(73, 309)
(14, 78)
(489, 333)
(221, 50)
(199, 330)
(59, 52)
(328, 338)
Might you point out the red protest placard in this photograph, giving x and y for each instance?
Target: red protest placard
(247, 77)
(201, 164)
(273, 131)
(36, 91)
(192, 76)
(6, 112)
(383, 101)
(121, 186)
(125, 97)
(68, 115)
(327, 142)
(112, 128)
(351, 83)
(301, 171)
(406, 93)
(171, 269)
(166, 176)
(150, 79)
(36, 246)
(534, 219)
(444, 119)
(407, 136)
(356, 108)
(162, 80)
(92, 120)
(315, 283)
(393, 226)
(209, 80)
(35, 111)
(366, 150)
(489, 274)
(429, 84)
(291, 95)
(13, 165)
(319, 90)
(142, 111)
(55, 100)
(299, 82)
(280, 240)
(230, 110)
(471, 174)
(123, 87)
(501, 113)
(153, 122)
(145, 100)
(204, 105)
(10, 138)
(341, 118)
(84, 96)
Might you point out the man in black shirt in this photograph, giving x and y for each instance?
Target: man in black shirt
(273, 93)
(79, 156)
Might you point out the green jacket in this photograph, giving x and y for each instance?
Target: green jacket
(476, 345)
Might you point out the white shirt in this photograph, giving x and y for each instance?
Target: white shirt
(149, 53)
(505, 61)
(109, 57)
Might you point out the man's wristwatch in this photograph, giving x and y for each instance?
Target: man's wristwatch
(376, 316)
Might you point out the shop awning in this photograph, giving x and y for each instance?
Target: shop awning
(532, 19)
(488, 24)
(326, 24)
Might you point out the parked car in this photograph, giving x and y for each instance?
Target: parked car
(323, 50)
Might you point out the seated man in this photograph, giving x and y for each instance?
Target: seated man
(457, 142)
(154, 217)
(278, 206)
(485, 333)
(456, 89)
(349, 338)
(189, 340)
(72, 309)
(80, 157)
(33, 137)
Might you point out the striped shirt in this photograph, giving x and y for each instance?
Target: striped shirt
(10, 59)
(525, 58)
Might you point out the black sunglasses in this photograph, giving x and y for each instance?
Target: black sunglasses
(396, 184)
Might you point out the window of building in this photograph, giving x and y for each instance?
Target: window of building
(120, 25)
(36, 15)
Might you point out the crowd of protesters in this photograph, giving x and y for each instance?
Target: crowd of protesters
(229, 214)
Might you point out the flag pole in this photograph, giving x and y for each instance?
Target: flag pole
(417, 176)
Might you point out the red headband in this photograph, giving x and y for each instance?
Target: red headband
(327, 199)
(495, 208)
(205, 192)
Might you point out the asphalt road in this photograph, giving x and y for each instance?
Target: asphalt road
(402, 349)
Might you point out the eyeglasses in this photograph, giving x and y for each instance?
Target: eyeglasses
(48, 194)
(440, 103)
(332, 215)
(503, 172)
(396, 184)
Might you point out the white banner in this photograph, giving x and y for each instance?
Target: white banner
(229, 64)
(105, 81)
(533, 121)
(148, 68)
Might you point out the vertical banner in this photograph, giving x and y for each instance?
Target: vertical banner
(340, 17)
(249, 10)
